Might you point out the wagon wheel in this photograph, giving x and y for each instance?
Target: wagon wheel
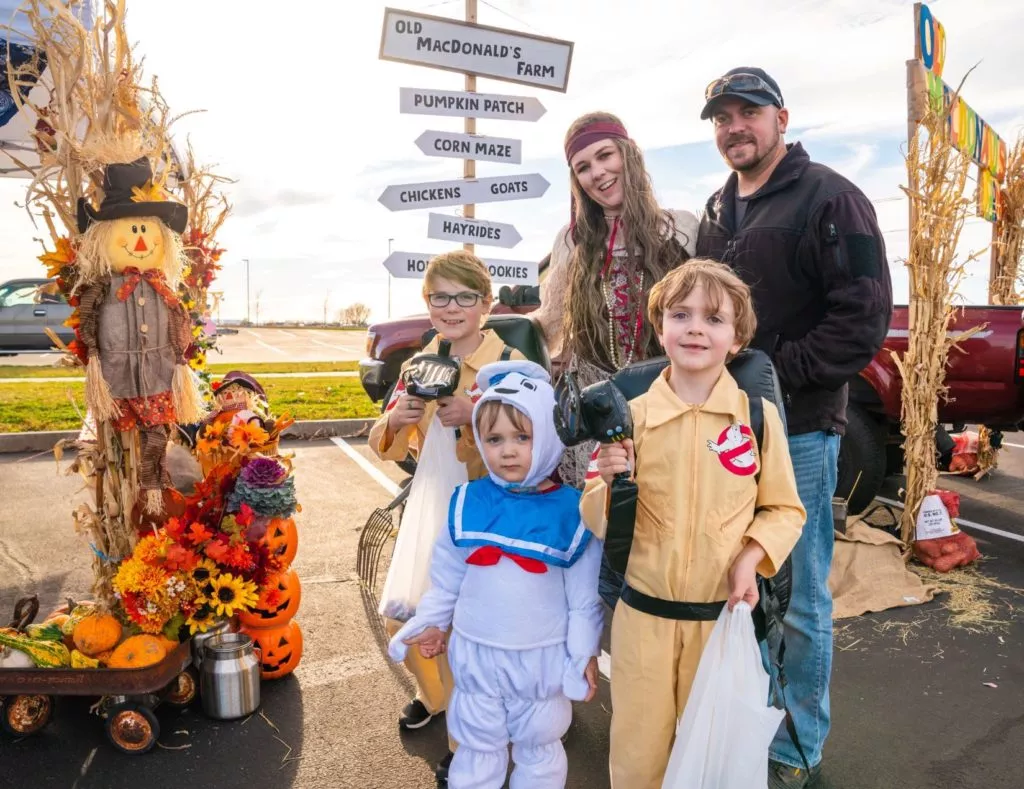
(132, 728)
(183, 689)
(24, 715)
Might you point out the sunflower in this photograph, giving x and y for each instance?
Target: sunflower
(231, 594)
(204, 574)
(201, 620)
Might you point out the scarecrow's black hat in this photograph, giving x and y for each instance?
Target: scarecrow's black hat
(125, 188)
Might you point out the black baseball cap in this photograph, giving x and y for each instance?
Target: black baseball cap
(744, 82)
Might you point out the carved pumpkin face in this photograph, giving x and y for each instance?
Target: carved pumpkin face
(282, 539)
(281, 648)
(278, 602)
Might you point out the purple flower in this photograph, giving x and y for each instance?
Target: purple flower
(261, 472)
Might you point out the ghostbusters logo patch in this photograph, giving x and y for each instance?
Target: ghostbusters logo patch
(735, 450)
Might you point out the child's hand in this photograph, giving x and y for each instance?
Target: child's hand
(743, 575)
(408, 410)
(455, 411)
(590, 674)
(431, 642)
(615, 459)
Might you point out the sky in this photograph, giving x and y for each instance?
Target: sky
(297, 108)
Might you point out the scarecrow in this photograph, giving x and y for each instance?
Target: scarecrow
(240, 400)
(135, 329)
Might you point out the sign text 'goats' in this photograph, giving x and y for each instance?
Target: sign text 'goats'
(431, 194)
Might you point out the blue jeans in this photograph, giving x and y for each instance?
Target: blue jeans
(808, 623)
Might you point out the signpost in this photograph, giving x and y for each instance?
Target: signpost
(460, 104)
(460, 146)
(479, 50)
(412, 265)
(471, 231)
(430, 194)
(473, 50)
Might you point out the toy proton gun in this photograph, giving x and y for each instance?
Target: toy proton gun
(431, 376)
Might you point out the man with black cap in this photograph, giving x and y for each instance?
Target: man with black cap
(807, 242)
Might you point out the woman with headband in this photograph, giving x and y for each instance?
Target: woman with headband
(618, 243)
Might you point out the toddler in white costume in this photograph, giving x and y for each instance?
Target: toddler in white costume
(515, 576)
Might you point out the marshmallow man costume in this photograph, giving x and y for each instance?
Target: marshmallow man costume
(515, 576)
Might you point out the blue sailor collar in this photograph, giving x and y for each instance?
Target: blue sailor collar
(544, 526)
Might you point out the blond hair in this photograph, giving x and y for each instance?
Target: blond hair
(488, 413)
(649, 235)
(718, 282)
(462, 267)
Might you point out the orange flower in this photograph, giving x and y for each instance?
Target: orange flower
(179, 558)
(207, 446)
(199, 533)
(174, 528)
(74, 320)
(245, 436)
(217, 551)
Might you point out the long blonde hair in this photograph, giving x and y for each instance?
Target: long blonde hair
(651, 246)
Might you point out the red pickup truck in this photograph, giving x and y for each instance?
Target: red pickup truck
(985, 377)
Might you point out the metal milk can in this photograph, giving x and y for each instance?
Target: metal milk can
(229, 678)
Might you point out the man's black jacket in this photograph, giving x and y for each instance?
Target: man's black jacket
(810, 249)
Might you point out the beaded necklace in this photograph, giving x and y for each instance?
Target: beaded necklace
(606, 291)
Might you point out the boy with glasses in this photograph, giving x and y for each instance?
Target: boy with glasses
(458, 294)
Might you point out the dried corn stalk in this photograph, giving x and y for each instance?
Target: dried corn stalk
(937, 176)
(1009, 243)
(95, 102)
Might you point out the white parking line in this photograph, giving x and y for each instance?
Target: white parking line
(604, 661)
(266, 345)
(325, 344)
(286, 333)
(1015, 446)
(379, 476)
(962, 522)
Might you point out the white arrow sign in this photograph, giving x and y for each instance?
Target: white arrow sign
(472, 231)
(461, 104)
(412, 265)
(452, 45)
(470, 146)
(403, 197)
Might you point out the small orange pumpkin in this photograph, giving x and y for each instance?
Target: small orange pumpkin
(96, 633)
(280, 647)
(278, 601)
(169, 644)
(137, 652)
(282, 539)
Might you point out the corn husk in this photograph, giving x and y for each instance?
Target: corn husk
(1006, 284)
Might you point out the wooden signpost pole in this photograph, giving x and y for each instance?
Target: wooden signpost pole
(469, 165)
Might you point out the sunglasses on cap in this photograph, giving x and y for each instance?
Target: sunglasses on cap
(740, 83)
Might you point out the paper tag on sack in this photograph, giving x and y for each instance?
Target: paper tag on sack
(933, 520)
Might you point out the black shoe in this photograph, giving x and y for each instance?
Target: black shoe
(414, 715)
(782, 776)
(441, 771)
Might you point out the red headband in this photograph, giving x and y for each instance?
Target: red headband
(591, 133)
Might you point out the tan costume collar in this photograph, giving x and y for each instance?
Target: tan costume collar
(663, 405)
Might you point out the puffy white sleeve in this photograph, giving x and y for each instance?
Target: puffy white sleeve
(586, 618)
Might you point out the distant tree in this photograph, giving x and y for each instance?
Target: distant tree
(355, 315)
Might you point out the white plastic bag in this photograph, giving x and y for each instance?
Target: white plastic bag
(438, 473)
(724, 733)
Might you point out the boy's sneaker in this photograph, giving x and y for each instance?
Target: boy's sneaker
(782, 776)
(414, 715)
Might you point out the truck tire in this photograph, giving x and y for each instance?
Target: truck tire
(861, 452)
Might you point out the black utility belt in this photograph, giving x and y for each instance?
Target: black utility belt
(671, 609)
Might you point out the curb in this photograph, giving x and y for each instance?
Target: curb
(310, 430)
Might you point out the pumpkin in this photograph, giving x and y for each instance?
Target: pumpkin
(104, 657)
(278, 601)
(280, 648)
(76, 613)
(169, 644)
(56, 619)
(137, 652)
(282, 540)
(78, 660)
(45, 654)
(47, 631)
(96, 633)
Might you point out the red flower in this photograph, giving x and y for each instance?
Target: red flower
(179, 558)
(217, 551)
(245, 515)
(198, 533)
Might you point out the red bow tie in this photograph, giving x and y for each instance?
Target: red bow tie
(154, 277)
(490, 554)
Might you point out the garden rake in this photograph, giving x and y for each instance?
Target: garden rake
(376, 532)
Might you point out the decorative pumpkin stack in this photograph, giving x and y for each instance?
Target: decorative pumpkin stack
(270, 622)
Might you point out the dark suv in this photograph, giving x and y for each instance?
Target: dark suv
(28, 307)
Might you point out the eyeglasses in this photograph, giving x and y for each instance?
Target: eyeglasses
(740, 83)
(467, 298)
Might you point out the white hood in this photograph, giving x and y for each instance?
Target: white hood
(526, 386)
